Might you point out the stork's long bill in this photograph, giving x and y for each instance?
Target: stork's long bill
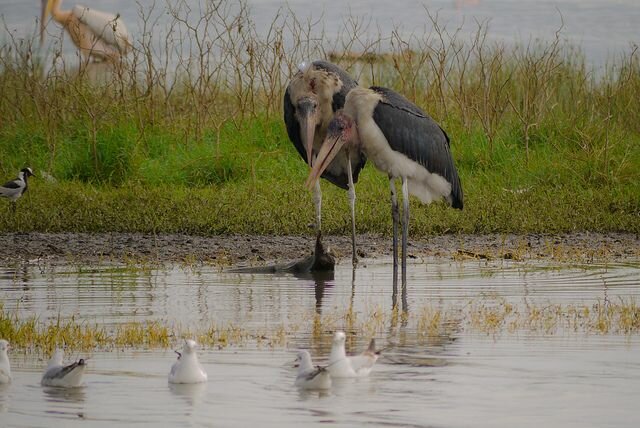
(308, 112)
(47, 5)
(331, 146)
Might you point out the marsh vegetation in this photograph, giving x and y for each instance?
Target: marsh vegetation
(187, 136)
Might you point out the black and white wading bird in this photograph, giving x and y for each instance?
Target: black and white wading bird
(314, 94)
(14, 189)
(402, 141)
(65, 376)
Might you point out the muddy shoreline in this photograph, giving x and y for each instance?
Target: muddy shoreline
(245, 250)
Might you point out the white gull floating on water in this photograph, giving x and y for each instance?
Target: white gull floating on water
(57, 374)
(187, 369)
(310, 377)
(342, 366)
(5, 367)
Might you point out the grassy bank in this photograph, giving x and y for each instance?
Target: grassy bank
(191, 139)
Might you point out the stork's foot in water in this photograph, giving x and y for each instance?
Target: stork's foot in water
(323, 260)
(320, 261)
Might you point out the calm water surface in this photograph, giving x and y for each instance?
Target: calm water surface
(462, 379)
(602, 28)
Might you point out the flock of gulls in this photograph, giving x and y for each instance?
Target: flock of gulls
(336, 127)
(188, 370)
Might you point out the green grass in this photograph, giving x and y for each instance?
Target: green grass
(542, 144)
(255, 184)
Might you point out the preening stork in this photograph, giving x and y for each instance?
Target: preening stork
(314, 94)
(99, 35)
(401, 141)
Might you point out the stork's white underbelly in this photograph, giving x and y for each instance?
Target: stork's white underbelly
(423, 184)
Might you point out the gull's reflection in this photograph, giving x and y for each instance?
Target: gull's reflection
(64, 395)
(192, 393)
(4, 397)
(306, 394)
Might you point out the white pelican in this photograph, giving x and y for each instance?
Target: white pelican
(98, 35)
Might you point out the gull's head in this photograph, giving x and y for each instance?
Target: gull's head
(303, 360)
(190, 346)
(4, 345)
(339, 338)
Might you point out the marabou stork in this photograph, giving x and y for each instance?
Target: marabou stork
(314, 94)
(98, 35)
(402, 141)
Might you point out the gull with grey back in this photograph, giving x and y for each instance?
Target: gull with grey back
(187, 369)
(343, 366)
(309, 376)
(61, 375)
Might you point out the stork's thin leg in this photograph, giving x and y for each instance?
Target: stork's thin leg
(395, 215)
(13, 207)
(352, 203)
(405, 236)
(317, 200)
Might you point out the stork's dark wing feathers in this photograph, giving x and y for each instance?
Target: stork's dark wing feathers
(412, 132)
(293, 126)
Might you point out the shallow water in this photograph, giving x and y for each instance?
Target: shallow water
(464, 378)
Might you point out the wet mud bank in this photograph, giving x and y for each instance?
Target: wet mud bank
(251, 250)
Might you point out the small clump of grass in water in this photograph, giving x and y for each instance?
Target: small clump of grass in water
(427, 323)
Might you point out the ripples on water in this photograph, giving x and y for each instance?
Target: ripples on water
(462, 380)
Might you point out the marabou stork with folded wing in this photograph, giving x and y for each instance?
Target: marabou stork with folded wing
(402, 141)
